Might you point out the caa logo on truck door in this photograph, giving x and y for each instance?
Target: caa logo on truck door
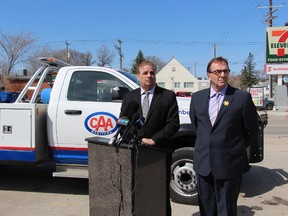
(101, 123)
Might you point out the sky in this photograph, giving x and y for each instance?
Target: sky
(191, 31)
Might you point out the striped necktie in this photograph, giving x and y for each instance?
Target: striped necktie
(145, 106)
(214, 109)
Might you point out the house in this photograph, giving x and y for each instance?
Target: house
(176, 77)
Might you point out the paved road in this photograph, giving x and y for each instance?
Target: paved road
(31, 191)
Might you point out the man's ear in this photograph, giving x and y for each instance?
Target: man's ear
(208, 76)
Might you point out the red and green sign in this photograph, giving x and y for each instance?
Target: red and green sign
(277, 45)
(257, 94)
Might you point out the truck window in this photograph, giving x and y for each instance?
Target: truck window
(94, 86)
(130, 76)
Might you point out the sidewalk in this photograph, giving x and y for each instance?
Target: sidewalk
(264, 189)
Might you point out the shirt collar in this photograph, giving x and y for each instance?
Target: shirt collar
(151, 90)
(222, 92)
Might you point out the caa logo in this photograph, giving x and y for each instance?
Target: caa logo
(101, 123)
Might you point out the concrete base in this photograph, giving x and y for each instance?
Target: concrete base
(125, 180)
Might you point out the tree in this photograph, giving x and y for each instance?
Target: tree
(234, 80)
(76, 58)
(33, 63)
(105, 57)
(139, 58)
(156, 61)
(248, 76)
(15, 49)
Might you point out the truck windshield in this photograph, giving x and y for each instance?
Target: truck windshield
(130, 76)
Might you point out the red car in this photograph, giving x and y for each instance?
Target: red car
(184, 94)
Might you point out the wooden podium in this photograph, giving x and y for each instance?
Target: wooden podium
(126, 180)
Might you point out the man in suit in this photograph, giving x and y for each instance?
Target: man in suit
(220, 157)
(162, 118)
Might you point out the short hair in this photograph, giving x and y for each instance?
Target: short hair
(216, 59)
(146, 62)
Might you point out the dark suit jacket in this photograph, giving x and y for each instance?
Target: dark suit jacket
(162, 119)
(221, 149)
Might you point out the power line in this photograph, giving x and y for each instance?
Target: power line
(182, 43)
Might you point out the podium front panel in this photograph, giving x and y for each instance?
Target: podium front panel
(110, 180)
(150, 182)
(126, 181)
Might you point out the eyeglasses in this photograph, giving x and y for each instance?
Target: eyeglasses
(219, 72)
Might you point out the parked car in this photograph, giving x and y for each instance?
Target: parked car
(184, 94)
(268, 104)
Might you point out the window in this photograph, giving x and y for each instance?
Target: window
(177, 85)
(173, 69)
(188, 84)
(161, 84)
(95, 86)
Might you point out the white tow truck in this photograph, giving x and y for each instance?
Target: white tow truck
(85, 101)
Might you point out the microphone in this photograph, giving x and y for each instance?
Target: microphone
(123, 121)
(130, 132)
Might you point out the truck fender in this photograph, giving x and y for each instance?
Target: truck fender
(184, 137)
(184, 130)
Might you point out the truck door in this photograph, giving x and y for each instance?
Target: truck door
(87, 109)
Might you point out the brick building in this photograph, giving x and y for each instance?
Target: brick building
(17, 83)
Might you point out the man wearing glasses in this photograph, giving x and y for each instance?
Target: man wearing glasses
(225, 122)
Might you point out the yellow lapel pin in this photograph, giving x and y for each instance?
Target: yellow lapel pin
(226, 103)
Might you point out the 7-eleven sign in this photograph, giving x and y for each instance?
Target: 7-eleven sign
(277, 45)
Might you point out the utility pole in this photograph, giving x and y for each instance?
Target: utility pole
(121, 55)
(270, 18)
(195, 71)
(214, 48)
(67, 51)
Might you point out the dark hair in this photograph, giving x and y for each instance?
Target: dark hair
(216, 59)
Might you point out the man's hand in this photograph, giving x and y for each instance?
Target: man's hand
(147, 141)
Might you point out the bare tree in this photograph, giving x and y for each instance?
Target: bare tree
(86, 59)
(79, 58)
(76, 58)
(234, 80)
(33, 63)
(15, 48)
(105, 57)
(158, 62)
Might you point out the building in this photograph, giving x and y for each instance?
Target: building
(17, 83)
(176, 77)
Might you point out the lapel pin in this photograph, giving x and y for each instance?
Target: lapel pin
(226, 103)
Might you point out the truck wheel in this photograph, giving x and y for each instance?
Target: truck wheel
(183, 177)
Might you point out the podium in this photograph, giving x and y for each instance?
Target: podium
(126, 180)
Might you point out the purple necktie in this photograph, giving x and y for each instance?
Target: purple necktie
(214, 109)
